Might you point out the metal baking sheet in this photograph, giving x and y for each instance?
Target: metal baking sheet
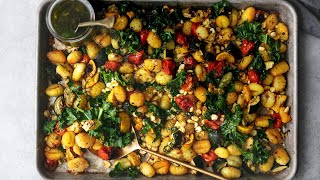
(288, 16)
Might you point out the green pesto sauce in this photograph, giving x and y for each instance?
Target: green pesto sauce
(67, 15)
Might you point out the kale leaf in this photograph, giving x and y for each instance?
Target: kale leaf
(151, 125)
(76, 89)
(166, 36)
(258, 154)
(274, 51)
(222, 7)
(176, 83)
(48, 126)
(119, 171)
(108, 76)
(215, 104)
(128, 39)
(249, 31)
(258, 65)
(229, 127)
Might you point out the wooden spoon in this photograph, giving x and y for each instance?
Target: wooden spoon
(121, 152)
(107, 22)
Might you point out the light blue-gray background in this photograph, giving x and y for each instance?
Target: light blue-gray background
(17, 95)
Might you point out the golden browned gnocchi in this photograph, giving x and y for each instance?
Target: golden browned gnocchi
(204, 86)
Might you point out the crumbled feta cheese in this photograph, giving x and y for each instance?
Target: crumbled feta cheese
(181, 67)
(195, 118)
(214, 117)
(286, 110)
(198, 129)
(269, 65)
(111, 85)
(261, 48)
(272, 89)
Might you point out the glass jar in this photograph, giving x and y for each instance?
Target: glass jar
(63, 16)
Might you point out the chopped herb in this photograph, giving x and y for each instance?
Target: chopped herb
(157, 53)
(274, 51)
(151, 125)
(215, 104)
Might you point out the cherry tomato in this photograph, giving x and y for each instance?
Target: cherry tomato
(217, 67)
(253, 76)
(59, 131)
(168, 66)
(143, 36)
(185, 102)
(112, 65)
(51, 165)
(136, 58)
(189, 62)
(104, 152)
(187, 86)
(210, 156)
(180, 38)
(259, 16)
(194, 28)
(246, 47)
(85, 59)
(277, 120)
(215, 125)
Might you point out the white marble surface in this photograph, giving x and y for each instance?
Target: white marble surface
(17, 94)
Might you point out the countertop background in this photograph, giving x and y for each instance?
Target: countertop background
(17, 94)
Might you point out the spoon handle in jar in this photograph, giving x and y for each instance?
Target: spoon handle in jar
(185, 164)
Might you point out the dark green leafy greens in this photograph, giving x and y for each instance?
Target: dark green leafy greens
(151, 125)
(274, 50)
(249, 31)
(166, 36)
(222, 7)
(176, 83)
(108, 76)
(258, 65)
(48, 127)
(76, 89)
(128, 39)
(119, 171)
(215, 104)
(105, 116)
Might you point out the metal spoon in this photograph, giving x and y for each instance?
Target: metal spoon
(121, 152)
(107, 22)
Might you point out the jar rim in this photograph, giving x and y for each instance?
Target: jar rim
(78, 38)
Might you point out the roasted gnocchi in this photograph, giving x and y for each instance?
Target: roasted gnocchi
(195, 84)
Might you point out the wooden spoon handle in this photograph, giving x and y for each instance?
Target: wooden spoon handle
(185, 164)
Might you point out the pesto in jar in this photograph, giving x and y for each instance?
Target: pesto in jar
(67, 15)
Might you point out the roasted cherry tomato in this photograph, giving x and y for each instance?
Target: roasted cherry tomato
(104, 152)
(180, 38)
(217, 67)
(189, 62)
(143, 36)
(253, 76)
(185, 102)
(194, 28)
(112, 65)
(85, 59)
(259, 16)
(136, 58)
(215, 125)
(187, 86)
(59, 131)
(168, 66)
(51, 165)
(277, 120)
(246, 47)
(210, 156)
